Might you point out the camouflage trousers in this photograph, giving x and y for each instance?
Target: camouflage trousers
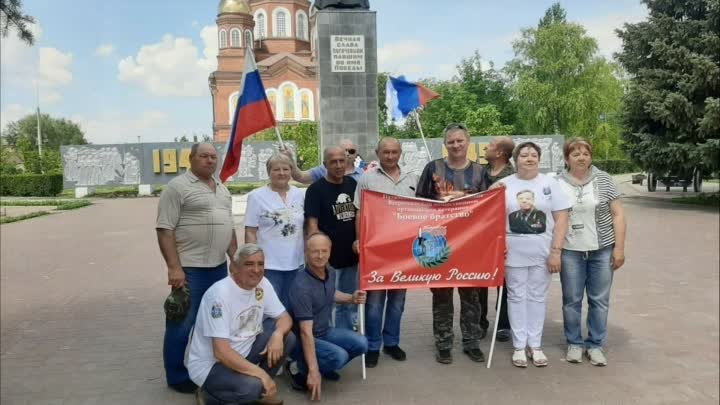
(473, 316)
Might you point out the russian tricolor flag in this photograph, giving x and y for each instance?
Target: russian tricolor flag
(403, 97)
(252, 114)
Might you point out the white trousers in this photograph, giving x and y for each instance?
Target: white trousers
(527, 289)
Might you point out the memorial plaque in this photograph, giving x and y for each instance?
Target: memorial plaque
(347, 53)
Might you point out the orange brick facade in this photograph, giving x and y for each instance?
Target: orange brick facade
(280, 33)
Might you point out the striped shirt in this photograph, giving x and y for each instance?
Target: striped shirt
(590, 225)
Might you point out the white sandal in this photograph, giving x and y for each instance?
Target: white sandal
(519, 359)
(537, 356)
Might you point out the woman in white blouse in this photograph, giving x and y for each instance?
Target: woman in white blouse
(274, 220)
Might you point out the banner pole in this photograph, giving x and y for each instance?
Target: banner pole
(495, 328)
(277, 132)
(361, 321)
(422, 135)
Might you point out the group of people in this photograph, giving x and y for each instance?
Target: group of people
(290, 297)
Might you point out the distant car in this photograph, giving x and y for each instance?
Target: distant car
(677, 179)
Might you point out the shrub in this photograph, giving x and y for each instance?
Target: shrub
(616, 166)
(31, 185)
(115, 192)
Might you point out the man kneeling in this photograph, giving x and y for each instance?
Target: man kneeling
(324, 349)
(233, 352)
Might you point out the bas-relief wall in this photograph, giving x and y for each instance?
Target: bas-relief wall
(158, 163)
(415, 154)
(153, 163)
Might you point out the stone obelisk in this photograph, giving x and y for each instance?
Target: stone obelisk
(347, 57)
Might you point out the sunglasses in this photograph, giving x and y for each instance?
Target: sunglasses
(455, 126)
(351, 151)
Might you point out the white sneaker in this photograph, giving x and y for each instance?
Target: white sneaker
(519, 359)
(537, 356)
(574, 354)
(596, 356)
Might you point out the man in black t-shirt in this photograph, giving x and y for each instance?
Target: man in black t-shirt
(329, 208)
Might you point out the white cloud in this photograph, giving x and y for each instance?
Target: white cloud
(115, 127)
(23, 66)
(12, 112)
(53, 68)
(50, 97)
(603, 29)
(105, 50)
(402, 57)
(172, 67)
(209, 37)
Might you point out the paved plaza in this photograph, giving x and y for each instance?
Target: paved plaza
(82, 322)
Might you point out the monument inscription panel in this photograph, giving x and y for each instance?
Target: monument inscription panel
(347, 53)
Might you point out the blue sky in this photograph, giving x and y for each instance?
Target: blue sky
(124, 69)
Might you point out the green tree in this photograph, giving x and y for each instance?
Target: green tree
(458, 104)
(55, 132)
(305, 135)
(555, 14)
(11, 16)
(490, 86)
(562, 86)
(672, 104)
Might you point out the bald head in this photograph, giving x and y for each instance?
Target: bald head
(500, 149)
(387, 140)
(197, 147)
(330, 150)
(335, 162)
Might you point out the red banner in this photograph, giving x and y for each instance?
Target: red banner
(418, 243)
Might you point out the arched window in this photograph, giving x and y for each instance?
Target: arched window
(307, 108)
(282, 22)
(288, 100)
(260, 30)
(281, 28)
(232, 104)
(248, 39)
(272, 99)
(301, 25)
(235, 38)
(223, 39)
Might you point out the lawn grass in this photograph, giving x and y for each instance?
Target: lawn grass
(60, 204)
(7, 220)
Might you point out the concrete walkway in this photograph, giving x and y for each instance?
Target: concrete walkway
(82, 322)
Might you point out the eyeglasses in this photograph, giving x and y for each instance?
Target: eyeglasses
(351, 151)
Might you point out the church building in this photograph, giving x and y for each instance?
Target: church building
(282, 35)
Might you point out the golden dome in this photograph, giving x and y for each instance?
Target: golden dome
(233, 6)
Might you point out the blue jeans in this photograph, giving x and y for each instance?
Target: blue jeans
(389, 335)
(281, 281)
(334, 350)
(199, 279)
(347, 282)
(591, 272)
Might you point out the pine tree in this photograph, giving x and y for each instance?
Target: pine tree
(672, 104)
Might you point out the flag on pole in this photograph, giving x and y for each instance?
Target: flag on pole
(252, 114)
(403, 97)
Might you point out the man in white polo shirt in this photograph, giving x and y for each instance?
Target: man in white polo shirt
(388, 179)
(233, 352)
